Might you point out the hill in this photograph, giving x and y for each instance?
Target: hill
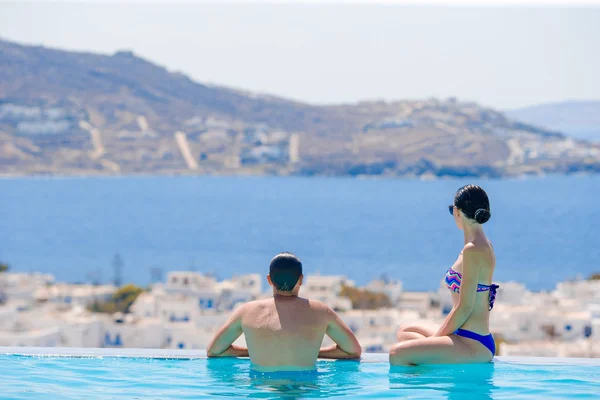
(579, 119)
(80, 113)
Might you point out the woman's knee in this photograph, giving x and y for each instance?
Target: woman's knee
(399, 354)
(405, 327)
(403, 336)
(413, 329)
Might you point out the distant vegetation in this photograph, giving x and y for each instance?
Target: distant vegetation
(121, 300)
(4, 267)
(364, 299)
(595, 277)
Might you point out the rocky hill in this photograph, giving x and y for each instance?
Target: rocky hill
(579, 119)
(79, 113)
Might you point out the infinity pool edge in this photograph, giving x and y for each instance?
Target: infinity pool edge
(201, 354)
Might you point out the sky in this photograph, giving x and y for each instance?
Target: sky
(341, 53)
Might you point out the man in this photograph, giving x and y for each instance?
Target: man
(285, 332)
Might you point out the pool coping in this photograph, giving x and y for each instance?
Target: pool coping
(79, 352)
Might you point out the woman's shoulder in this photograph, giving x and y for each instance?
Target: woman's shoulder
(480, 253)
(478, 247)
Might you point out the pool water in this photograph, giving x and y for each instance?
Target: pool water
(108, 377)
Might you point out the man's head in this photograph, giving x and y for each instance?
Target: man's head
(285, 273)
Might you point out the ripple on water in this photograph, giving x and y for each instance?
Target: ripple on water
(147, 378)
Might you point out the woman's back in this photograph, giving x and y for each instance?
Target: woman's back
(478, 320)
(464, 336)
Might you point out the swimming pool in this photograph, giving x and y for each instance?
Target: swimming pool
(34, 373)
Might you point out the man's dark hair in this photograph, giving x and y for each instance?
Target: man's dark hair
(285, 271)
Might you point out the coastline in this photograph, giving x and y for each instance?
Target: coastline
(142, 175)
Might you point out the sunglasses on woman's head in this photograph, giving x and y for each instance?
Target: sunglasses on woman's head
(451, 208)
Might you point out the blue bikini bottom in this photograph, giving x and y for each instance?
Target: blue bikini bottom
(487, 340)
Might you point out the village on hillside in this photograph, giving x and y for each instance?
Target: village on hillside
(122, 114)
(184, 312)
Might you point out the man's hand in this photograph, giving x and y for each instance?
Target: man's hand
(335, 352)
(231, 351)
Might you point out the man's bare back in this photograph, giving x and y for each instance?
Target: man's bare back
(284, 333)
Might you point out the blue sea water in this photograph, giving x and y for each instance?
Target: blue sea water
(25, 377)
(544, 230)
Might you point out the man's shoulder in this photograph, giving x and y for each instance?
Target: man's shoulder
(254, 304)
(319, 306)
(259, 302)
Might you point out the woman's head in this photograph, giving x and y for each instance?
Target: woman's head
(473, 203)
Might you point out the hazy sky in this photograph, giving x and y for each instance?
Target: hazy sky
(503, 57)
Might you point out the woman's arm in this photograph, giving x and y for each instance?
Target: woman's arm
(468, 291)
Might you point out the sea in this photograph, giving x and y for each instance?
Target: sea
(544, 229)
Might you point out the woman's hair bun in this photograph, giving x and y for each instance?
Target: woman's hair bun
(482, 216)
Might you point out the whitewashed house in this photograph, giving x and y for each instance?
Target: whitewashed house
(327, 289)
(74, 294)
(391, 288)
(586, 290)
(416, 301)
(127, 331)
(22, 286)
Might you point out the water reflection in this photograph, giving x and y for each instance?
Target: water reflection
(455, 382)
(235, 378)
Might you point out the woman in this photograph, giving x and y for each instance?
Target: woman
(464, 337)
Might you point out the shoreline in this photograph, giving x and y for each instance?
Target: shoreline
(300, 176)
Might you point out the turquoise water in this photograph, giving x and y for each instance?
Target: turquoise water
(50, 377)
(544, 230)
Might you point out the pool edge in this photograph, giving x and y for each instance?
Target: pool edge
(79, 352)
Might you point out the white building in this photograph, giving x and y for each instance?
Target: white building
(251, 283)
(188, 282)
(391, 288)
(529, 323)
(47, 337)
(189, 296)
(376, 329)
(186, 310)
(194, 335)
(586, 290)
(81, 328)
(74, 294)
(48, 325)
(327, 289)
(581, 348)
(567, 315)
(416, 301)
(514, 293)
(127, 331)
(22, 286)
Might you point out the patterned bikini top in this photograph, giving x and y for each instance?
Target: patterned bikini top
(453, 279)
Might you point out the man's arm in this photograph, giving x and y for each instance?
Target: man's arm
(346, 345)
(222, 344)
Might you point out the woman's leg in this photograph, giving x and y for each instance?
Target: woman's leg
(415, 331)
(439, 350)
(403, 336)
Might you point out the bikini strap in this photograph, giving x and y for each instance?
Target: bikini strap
(493, 289)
